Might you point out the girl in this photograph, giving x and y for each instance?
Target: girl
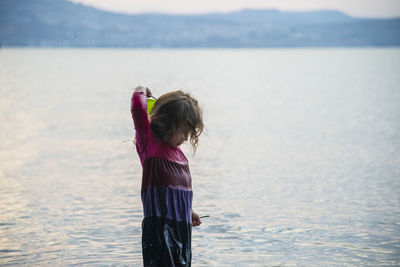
(166, 182)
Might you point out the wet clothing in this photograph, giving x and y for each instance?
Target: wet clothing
(166, 194)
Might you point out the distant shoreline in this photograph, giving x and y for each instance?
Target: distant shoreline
(198, 48)
(46, 23)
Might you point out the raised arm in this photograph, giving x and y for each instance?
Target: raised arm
(140, 118)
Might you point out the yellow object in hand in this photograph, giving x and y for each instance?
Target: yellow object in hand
(150, 104)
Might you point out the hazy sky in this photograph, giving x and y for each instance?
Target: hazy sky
(359, 8)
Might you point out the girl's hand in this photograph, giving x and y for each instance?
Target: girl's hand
(144, 89)
(195, 219)
(148, 92)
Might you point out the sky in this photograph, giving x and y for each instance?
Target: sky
(357, 8)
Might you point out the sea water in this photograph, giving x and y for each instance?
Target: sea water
(299, 163)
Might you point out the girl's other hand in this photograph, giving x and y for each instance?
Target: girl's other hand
(195, 219)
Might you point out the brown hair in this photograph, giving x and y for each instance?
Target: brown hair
(175, 111)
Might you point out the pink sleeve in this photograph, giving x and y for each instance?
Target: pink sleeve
(141, 122)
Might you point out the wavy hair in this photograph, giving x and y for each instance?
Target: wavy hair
(177, 111)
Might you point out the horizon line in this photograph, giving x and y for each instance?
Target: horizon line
(155, 12)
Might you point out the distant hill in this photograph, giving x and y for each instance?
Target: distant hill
(60, 23)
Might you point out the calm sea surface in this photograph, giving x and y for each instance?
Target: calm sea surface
(299, 163)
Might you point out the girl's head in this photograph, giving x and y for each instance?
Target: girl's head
(175, 117)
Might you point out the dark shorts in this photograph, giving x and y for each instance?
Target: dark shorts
(166, 242)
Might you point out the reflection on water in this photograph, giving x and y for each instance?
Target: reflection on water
(299, 164)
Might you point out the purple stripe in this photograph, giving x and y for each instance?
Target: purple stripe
(171, 203)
